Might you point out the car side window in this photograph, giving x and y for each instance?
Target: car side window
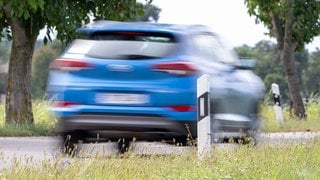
(209, 46)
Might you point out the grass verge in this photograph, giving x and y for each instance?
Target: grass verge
(244, 162)
(290, 123)
(45, 124)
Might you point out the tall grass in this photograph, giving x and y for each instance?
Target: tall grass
(245, 162)
(45, 124)
(291, 123)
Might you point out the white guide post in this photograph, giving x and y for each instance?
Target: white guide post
(203, 125)
(277, 104)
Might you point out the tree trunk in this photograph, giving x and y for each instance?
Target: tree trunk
(287, 57)
(18, 95)
(293, 80)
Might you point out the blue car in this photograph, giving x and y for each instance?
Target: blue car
(125, 80)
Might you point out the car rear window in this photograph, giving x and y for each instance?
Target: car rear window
(125, 45)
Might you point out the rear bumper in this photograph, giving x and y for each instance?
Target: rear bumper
(128, 126)
(226, 126)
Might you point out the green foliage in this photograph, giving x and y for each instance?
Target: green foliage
(311, 74)
(64, 16)
(42, 58)
(151, 12)
(293, 26)
(25, 9)
(270, 68)
(306, 24)
(280, 80)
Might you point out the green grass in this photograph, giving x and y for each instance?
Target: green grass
(245, 162)
(288, 161)
(290, 123)
(45, 124)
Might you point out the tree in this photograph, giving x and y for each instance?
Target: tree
(151, 13)
(293, 23)
(270, 70)
(268, 67)
(311, 74)
(22, 21)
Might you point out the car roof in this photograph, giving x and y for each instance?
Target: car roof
(99, 26)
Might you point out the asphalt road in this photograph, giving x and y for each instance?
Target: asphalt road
(32, 150)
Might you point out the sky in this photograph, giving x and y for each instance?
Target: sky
(228, 18)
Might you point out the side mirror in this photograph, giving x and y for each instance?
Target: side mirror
(247, 63)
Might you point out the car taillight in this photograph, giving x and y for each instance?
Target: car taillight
(182, 108)
(176, 68)
(63, 104)
(69, 65)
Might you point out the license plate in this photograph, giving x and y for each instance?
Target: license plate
(121, 98)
